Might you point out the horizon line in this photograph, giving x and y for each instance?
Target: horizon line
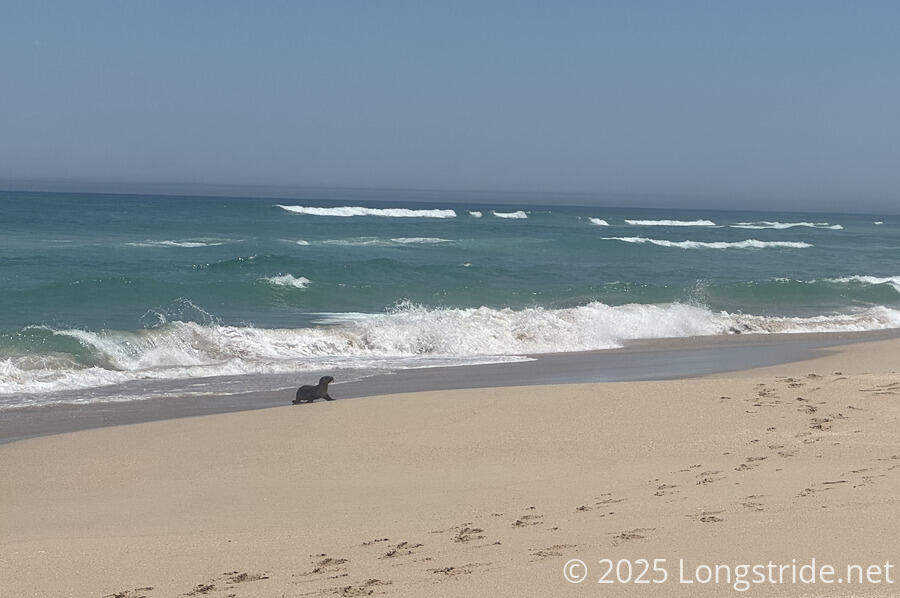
(463, 195)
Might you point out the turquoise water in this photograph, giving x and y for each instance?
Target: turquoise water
(108, 297)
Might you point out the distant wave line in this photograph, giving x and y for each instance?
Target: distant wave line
(748, 244)
(189, 244)
(348, 211)
(783, 225)
(671, 222)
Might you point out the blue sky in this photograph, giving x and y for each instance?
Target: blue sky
(787, 101)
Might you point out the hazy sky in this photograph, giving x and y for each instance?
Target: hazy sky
(720, 99)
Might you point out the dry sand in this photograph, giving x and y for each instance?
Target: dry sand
(472, 493)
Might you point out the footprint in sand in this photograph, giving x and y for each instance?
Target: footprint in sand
(365, 588)
(868, 479)
(401, 549)
(135, 593)
(607, 499)
(200, 589)
(827, 485)
(453, 571)
(665, 489)
(638, 533)
(584, 509)
(326, 565)
(707, 517)
(750, 463)
(465, 533)
(752, 503)
(709, 477)
(228, 579)
(526, 520)
(820, 423)
(551, 551)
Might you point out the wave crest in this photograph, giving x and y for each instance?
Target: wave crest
(514, 215)
(782, 225)
(748, 244)
(176, 244)
(288, 280)
(671, 222)
(893, 281)
(177, 350)
(348, 211)
(420, 240)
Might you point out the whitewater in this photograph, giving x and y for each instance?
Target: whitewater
(130, 297)
(400, 336)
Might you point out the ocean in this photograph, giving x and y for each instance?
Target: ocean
(128, 297)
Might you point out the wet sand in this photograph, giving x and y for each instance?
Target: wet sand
(642, 360)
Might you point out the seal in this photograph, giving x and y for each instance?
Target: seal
(309, 393)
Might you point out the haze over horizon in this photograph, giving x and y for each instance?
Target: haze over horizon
(771, 106)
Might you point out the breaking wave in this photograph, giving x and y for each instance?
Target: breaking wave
(515, 215)
(475, 214)
(671, 222)
(40, 359)
(420, 240)
(748, 244)
(782, 225)
(598, 221)
(288, 280)
(347, 211)
(893, 281)
(176, 244)
(376, 242)
(357, 242)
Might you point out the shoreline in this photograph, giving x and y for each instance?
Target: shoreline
(459, 494)
(650, 359)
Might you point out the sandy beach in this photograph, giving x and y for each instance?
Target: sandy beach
(476, 492)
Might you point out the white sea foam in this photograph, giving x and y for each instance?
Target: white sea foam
(347, 211)
(401, 337)
(176, 244)
(748, 244)
(782, 225)
(420, 240)
(475, 214)
(357, 242)
(878, 223)
(598, 221)
(671, 222)
(376, 242)
(301, 242)
(894, 281)
(515, 215)
(288, 280)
